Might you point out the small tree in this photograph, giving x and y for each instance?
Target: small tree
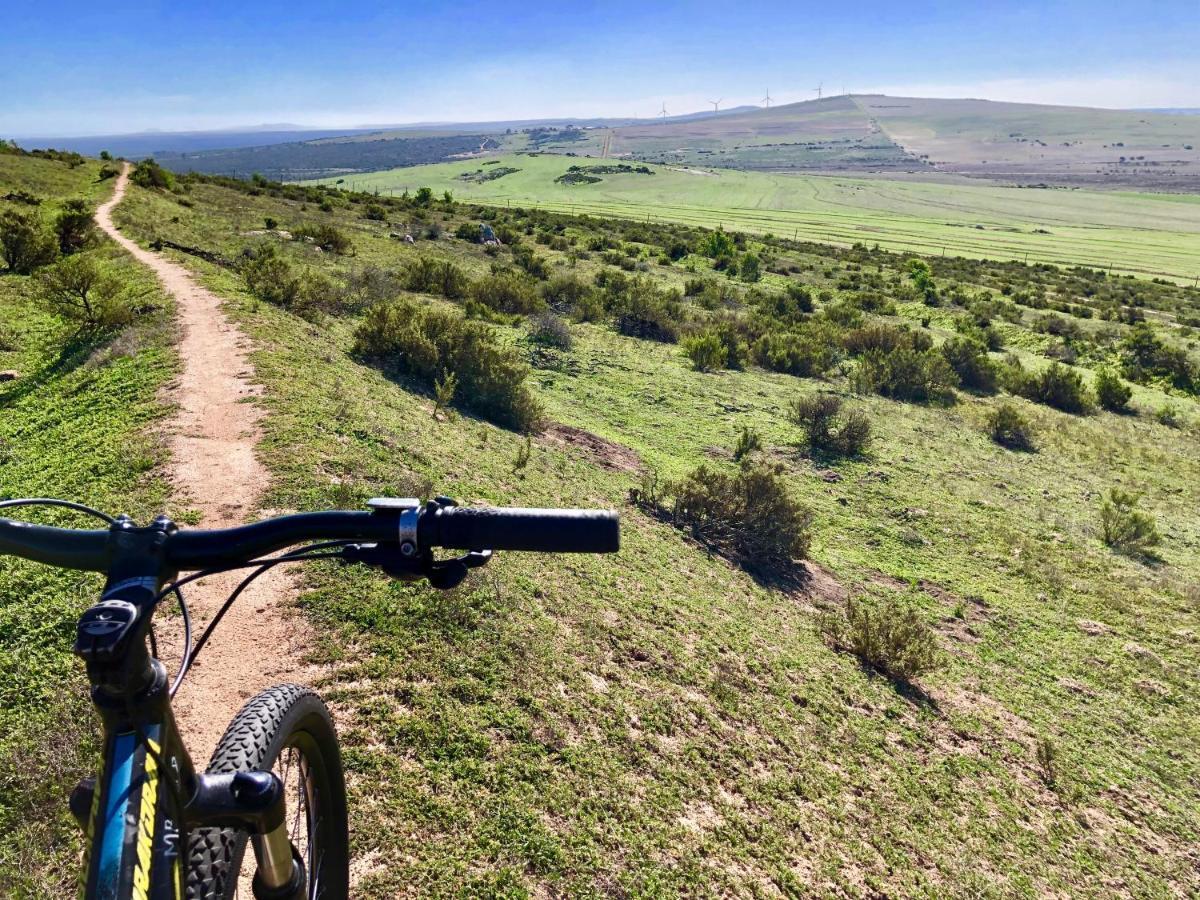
(79, 290)
(1126, 528)
(1112, 392)
(424, 196)
(74, 226)
(922, 279)
(24, 242)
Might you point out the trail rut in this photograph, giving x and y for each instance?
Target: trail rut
(213, 467)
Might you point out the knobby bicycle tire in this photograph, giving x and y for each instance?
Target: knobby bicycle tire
(281, 721)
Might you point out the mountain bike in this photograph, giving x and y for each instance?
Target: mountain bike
(155, 827)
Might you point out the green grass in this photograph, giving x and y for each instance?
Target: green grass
(73, 425)
(660, 724)
(1139, 233)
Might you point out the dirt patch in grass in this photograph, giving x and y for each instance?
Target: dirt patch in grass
(601, 451)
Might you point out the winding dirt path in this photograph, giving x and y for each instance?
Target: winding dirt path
(213, 467)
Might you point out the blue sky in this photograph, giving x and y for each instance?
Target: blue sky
(74, 68)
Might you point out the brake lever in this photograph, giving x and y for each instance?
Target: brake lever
(442, 574)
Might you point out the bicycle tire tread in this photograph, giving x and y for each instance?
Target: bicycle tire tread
(247, 745)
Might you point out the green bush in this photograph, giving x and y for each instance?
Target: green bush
(1112, 392)
(922, 376)
(889, 635)
(24, 242)
(270, 277)
(427, 275)
(74, 226)
(645, 311)
(507, 291)
(750, 268)
(748, 442)
(748, 515)
(970, 361)
(429, 343)
(1126, 528)
(149, 174)
(705, 350)
(719, 346)
(1147, 358)
(828, 428)
(1060, 387)
(1010, 429)
(809, 350)
(550, 330)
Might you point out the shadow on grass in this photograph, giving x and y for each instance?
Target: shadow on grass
(78, 348)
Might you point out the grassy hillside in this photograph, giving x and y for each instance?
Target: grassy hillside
(663, 723)
(73, 423)
(1143, 233)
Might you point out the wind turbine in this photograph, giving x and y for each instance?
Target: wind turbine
(663, 114)
(716, 104)
(818, 89)
(767, 99)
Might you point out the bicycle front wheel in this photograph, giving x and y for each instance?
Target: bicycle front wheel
(286, 729)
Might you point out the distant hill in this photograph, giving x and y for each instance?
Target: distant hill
(157, 143)
(1021, 143)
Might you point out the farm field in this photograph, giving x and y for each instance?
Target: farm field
(1146, 234)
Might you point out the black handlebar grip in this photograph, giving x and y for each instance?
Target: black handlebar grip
(537, 530)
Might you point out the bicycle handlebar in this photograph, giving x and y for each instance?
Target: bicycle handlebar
(459, 528)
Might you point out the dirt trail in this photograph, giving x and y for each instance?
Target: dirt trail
(214, 469)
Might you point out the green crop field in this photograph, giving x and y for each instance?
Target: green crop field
(1148, 234)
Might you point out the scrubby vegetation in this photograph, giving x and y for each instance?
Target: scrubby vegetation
(505, 738)
(1125, 527)
(429, 344)
(889, 635)
(828, 428)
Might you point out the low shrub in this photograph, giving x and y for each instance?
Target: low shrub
(550, 330)
(1008, 428)
(705, 350)
(747, 515)
(809, 350)
(970, 361)
(719, 346)
(428, 275)
(25, 243)
(1112, 393)
(922, 376)
(748, 442)
(1062, 388)
(889, 635)
(507, 291)
(428, 343)
(1126, 528)
(828, 428)
(327, 237)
